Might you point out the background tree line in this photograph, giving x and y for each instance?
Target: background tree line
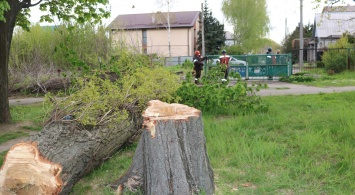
(17, 13)
(248, 17)
(48, 52)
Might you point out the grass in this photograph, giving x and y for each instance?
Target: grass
(23, 113)
(2, 156)
(306, 148)
(346, 78)
(33, 113)
(282, 88)
(304, 145)
(182, 69)
(96, 182)
(9, 136)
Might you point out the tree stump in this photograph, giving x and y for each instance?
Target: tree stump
(171, 156)
(64, 151)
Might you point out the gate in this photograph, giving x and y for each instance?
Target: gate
(256, 66)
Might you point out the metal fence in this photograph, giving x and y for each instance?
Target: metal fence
(172, 61)
(313, 59)
(276, 65)
(264, 66)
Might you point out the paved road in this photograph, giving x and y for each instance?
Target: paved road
(274, 88)
(24, 101)
(282, 88)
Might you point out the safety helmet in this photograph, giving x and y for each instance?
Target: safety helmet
(224, 51)
(197, 53)
(269, 49)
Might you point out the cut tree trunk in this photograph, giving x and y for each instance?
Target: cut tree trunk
(171, 156)
(24, 163)
(67, 152)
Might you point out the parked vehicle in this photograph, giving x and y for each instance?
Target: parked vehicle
(232, 61)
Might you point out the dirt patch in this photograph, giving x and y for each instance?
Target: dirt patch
(13, 128)
(9, 128)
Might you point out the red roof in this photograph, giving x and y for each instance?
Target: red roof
(151, 20)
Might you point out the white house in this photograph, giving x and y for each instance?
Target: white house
(329, 27)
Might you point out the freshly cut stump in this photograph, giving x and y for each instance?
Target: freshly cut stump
(171, 156)
(25, 172)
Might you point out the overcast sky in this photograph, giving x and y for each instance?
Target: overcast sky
(279, 11)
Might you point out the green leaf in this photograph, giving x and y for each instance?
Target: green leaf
(4, 6)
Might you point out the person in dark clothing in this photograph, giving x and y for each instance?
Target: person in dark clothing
(198, 65)
(270, 58)
(278, 58)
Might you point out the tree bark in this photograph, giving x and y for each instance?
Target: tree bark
(171, 156)
(67, 145)
(6, 31)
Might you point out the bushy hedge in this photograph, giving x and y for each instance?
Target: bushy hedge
(213, 95)
(337, 55)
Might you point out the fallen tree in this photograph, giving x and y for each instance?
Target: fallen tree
(85, 129)
(171, 156)
(73, 150)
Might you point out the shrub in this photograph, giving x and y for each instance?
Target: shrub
(187, 64)
(320, 64)
(297, 79)
(330, 72)
(125, 83)
(99, 101)
(215, 96)
(326, 78)
(336, 59)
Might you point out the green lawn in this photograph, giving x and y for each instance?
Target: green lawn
(25, 118)
(303, 145)
(322, 79)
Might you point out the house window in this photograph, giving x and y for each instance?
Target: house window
(144, 41)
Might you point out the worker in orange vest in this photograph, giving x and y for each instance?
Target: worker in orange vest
(224, 61)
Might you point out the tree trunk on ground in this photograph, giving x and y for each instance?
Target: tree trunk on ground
(68, 152)
(171, 156)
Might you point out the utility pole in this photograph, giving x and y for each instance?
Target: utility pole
(301, 35)
(203, 31)
(169, 30)
(285, 29)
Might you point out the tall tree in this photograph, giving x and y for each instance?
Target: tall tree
(249, 19)
(167, 5)
(214, 32)
(287, 46)
(16, 12)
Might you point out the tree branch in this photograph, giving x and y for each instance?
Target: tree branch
(29, 4)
